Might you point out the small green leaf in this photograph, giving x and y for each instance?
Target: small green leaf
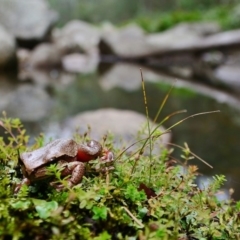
(99, 212)
(238, 205)
(142, 212)
(83, 204)
(103, 236)
(21, 205)
(45, 209)
(133, 194)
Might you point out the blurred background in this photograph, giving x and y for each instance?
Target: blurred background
(66, 64)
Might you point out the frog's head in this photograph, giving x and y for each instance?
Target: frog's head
(89, 151)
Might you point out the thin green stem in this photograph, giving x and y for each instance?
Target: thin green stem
(148, 123)
(163, 102)
(168, 129)
(193, 154)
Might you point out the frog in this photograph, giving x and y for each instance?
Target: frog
(67, 154)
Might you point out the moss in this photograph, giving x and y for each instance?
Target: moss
(143, 197)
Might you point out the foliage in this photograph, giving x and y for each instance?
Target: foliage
(129, 202)
(204, 4)
(152, 15)
(163, 21)
(226, 16)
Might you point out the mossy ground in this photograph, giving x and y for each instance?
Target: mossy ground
(143, 197)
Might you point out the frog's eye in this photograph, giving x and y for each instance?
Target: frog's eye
(91, 143)
(94, 144)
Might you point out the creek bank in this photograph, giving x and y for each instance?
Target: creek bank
(201, 49)
(189, 51)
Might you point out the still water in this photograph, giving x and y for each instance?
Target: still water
(42, 104)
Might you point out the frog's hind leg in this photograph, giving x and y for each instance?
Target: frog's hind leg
(77, 174)
(73, 169)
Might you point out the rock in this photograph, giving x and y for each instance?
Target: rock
(200, 29)
(45, 55)
(23, 57)
(213, 58)
(27, 20)
(227, 39)
(126, 76)
(7, 89)
(131, 41)
(76, 36)
(46, 77)
(7, 47)
(221, 39)
(78, 42)
(229, 75)
(181, 71)
(27, 102)
(127, 42)
(123, 124)
(80, 63)
(181, 35)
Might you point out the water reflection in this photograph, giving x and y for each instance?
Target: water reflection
(44, 100)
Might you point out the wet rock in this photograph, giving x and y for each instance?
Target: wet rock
(181, 35)
(182, 72)
(47, 77)
(77, 43)
(213, 58)
(229, 75)
(23, 57)
(7, 47)
(45, 55)
(27, 102)
(132, 42)
(126, 76)
(222, 39)
(76, 36)
(80, 63)
(27, 20)
(233, 58)
(225, 39)
(123, 124)
(6, 91)
(126, 42)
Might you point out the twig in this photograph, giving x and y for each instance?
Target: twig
(196, 156)
(133, 217)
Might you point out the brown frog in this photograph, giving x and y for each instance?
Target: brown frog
(67, 154)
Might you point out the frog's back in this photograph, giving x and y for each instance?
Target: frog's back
(53, 150)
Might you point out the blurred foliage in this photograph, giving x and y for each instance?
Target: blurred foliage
(152, 15)
(227, 16)
(203, 4)
(161, 22)
(96, 11)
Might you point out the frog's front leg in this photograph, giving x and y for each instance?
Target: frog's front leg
(25, 181)
(73, 169)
